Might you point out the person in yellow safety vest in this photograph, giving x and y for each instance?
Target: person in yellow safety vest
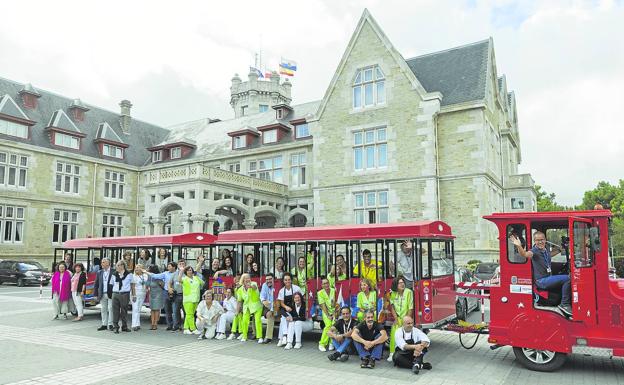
(311, 264)
(300, 275)
(401, 305)
(369, 268)
(366, 299)
(250, 305)
(326, 298)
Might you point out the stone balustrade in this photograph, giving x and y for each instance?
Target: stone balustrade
(210, 174)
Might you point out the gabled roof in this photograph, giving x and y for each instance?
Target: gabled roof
(10, 108)
(142, 134)
(276, 124)
(60, 120)
(105, 132)
(244, 130)
(458, 73)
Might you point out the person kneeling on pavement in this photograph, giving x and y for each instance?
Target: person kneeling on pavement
(411, 347)
(209, 313)
(340, 333)
(369, 338)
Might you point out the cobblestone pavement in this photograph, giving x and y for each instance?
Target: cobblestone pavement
(34, 349)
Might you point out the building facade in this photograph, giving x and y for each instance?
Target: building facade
(392, 140)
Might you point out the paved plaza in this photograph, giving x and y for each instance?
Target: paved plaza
(34, 349)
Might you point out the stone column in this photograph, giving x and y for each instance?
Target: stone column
(249, 224)
(146, 221)
(196, 223)
(159, 222)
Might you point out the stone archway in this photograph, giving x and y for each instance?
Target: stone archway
(267, 217)
(173, 219)
(297, 220)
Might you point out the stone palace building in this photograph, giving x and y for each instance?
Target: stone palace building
(393, 139)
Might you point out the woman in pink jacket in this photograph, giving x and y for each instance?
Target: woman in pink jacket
(61, 290)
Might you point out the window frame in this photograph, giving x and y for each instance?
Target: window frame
(58, 225)
(63, 136)
(239, 141)
(15, 220)
(114, 181)
(366, 208)
(73, 175)
(156, 156)
(116, 227)
(10, 128)
(360, 86)
(13, 166)
(298, 126)
(363, 146)
(298, 169)
(177, 151)
(270, 136)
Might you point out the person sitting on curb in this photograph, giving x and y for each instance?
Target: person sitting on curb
(369, 338)
(411, 347)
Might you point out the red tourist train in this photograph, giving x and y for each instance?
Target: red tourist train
(521, 316)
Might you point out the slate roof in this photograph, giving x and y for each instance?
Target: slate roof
(213, 140)
(142, 134)
(105, 132)
(458, 73)
(9, 107)
(59, 119)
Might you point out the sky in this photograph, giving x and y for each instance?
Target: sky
(174, 61)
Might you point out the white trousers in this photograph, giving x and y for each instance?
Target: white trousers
(224, 321)
(136, 310)
(78, 302)
(106, 311)
(296, 328)
(209, 328)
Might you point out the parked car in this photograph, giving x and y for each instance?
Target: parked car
(465, 305)
(23, 272)
(485, 271)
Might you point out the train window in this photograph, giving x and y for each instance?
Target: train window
(442, 259)
(424, 259)
(516, 231)
(583, 256)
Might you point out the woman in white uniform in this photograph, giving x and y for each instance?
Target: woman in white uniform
(138, 291)
(230, 307)
(208, 314)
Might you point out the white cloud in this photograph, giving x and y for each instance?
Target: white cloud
(174, 61)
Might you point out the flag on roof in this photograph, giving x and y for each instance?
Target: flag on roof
(267, 74)
(254, 69)
(287, 67)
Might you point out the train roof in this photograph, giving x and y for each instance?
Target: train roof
(189, 239)
(423, 229)
(549, 215)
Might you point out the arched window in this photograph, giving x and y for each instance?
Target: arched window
(369, 87)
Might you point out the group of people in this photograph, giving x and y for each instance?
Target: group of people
(189, 306)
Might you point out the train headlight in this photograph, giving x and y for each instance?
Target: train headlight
(504, 300)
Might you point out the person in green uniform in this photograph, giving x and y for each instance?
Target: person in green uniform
(191, 287)
(366, 299)
(251, 305)
(236, 322)
(338, 272)
(300, 275)
(401, 305)
(326, 298)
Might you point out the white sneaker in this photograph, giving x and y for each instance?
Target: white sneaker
(322, 348)
(240, 337)
(260, 341)
(221, 336)
(288, 346)
(331, 347)
(186, 331)
(298, 345)
(389, 358)
(231, 337)
(243, 340)
(196, 332)
(281, 342)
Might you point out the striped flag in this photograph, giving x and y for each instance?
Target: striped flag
(287, 67)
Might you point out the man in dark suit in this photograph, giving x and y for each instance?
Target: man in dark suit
(103, 291)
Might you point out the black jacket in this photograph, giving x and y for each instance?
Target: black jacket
(100, 288)
(82, 281)
(301, 316)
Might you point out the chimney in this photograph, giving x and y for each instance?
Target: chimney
(77, 110)
(29, 96)
(125, 119)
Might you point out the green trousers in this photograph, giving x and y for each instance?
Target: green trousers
(245, 323)
(325, 340)
(189, 319)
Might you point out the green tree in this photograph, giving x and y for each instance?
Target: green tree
(546, 201)
(610, 197)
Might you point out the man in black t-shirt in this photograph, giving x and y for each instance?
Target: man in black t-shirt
(368, 338)
(340, 334)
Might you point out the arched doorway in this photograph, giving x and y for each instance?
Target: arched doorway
(173, 215)
(298, 220)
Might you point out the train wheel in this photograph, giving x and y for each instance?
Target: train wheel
(461, 309)
(539, 360)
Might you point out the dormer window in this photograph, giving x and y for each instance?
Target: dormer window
(269, 136)
(176, 153)
(282, 111)
(156, 156)
(280, 114)
(302, 131)
(240, 141)
(112, 151)
(65, 140)
(13, 129)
